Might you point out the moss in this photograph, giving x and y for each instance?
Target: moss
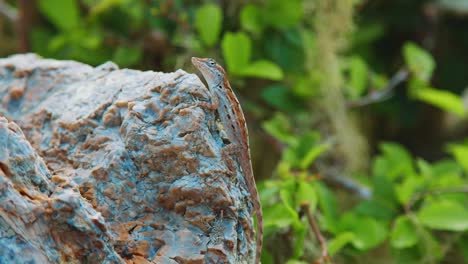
(334, 24)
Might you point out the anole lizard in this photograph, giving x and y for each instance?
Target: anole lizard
(233, 120)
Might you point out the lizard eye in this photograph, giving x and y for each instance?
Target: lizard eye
(211, 62)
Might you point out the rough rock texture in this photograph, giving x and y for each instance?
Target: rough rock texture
(101, 165)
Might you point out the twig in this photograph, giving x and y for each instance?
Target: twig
(318, 235)
(333, 177)
(8, 12)
(348, 184)
(383, 94)
(26, 15)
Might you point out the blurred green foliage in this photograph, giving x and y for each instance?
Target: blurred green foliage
(415, 210)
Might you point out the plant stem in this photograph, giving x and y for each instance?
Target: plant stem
(318, 235)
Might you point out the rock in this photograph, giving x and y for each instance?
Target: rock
(114, 166)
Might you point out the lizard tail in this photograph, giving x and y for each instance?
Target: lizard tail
(258, 253)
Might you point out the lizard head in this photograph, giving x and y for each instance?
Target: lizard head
(212, 72)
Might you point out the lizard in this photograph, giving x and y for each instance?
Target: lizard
(232, 118)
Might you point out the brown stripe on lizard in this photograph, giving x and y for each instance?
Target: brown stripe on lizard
(233, 120)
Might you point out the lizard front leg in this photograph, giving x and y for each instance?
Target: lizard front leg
(211, 106)
(207, 105)
(228, 153)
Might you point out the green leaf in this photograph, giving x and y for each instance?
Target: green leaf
(449, 175)
(367, 34)
(263, 69)
(280, 128)
(448, 166)
(379, 81)
(444, 215)
(460, 152)
(102, 6)
(127, 56)
(415, 84)
(395, 162)
(295, 261)
(443, 99)
(284, 169)
(307, 86)
(300, 232)
(424, 168)
(383, 191)
(287, 195)
(339, 242)
(358, 74)
(403, 233)
(279, 96)
(63, 14)
(282, 14)
(328, 206)
(306, 194)
(236, 51)
(287, 49)
(408, 188)
(90, 41)
(208, 20)
(250, 19)
(376, 209)
(419, 61)
(302, 154)
(58, 42)
(40, 41)
(278, 216)
(370, 233)
(267, 257)
(312, 154)
(269, 189)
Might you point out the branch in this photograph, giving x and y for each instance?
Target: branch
(318, 235)
(381, 95)
(8, 12)
(26, 15)
(332, 176)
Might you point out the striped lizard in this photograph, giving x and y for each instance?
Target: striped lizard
(232, 118)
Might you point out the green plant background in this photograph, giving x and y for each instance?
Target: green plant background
(356, 109)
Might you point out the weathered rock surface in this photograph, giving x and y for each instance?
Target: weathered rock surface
(101, 165)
